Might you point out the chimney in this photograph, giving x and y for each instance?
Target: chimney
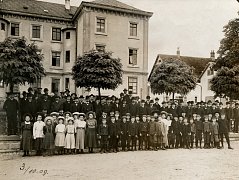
(67, 4)
(212, 55)
(178, 53)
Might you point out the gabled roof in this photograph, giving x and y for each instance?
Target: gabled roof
(197, 63)
(37, 8)
(57, 11)
(114, 3)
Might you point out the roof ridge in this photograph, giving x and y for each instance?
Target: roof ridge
(184, 56)
(115, 3)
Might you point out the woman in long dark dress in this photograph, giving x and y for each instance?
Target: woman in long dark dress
(48, 142)
(26, 132)
(91, 126)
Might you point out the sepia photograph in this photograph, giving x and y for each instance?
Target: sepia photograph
(119, 89)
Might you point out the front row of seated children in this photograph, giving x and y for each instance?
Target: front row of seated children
(73, 134)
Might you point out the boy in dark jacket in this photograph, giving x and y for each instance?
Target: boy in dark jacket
(207, 132)
(103, 135)
(192, 132)
(176, 131)
(152, 132)
(223, 130)
(185, 133)
(113, 134)
(143, 132)
(124, 133)
(199, 131)
(133, 133)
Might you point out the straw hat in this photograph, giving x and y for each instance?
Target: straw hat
(48, 118)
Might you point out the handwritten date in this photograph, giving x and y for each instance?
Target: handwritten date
(29, 170)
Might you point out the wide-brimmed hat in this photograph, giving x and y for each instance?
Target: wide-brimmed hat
(54, 114)
(164, 112)
(70, 119)
(48, 118)
(68, 113)
(75, 113)
(82, 114)
(61, 117)
(90, 112)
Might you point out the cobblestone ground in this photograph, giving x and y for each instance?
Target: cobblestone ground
(170, 164)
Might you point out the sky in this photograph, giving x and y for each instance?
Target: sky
(193, 25)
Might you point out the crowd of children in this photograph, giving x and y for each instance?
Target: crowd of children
(74, 132)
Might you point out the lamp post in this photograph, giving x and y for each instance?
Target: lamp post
(201, 90)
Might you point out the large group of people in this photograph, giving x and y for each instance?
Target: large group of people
(70, 124)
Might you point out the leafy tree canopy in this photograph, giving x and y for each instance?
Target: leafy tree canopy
(226, 83)
(20, 62)
(229, 46)
(97, 70)
(172, 76)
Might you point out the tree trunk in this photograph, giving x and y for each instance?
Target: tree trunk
(99, 94)
(11, 88)
(173, 96)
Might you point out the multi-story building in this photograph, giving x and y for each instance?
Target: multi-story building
(63, 32)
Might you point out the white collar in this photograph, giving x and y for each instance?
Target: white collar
(27, 122)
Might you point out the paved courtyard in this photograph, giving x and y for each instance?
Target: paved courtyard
(170, 164)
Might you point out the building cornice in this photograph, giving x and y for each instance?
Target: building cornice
(92, 6)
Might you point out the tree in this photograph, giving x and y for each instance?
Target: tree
(226, 83)
(97, 70)
(172, 76)
(20, 62)
(228, 52)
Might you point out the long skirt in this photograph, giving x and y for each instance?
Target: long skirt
(26, 142)
(80, 138)
(165, 139)
(60, 139)
(91, 140)
(48, 142)
(70, 141)
(38, 144)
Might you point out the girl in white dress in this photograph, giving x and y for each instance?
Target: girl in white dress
(60, 135)
(70, 136)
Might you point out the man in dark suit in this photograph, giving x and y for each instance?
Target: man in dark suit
(11, 107)
(236, 117)
(76, 106)
(134, 108)
(223, 130)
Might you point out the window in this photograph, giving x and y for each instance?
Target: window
(100, 26)
(68, 56)
(3, 26)
(209, 84)
(133, 84)
(36, 84)
(36, 31)
(55, 85)
(56, 34)
(133, 56)
(15, 29)
(133, 29)
(68, 35)
(67, 83)
(210, 72)
(100, 48)
(56, 59)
